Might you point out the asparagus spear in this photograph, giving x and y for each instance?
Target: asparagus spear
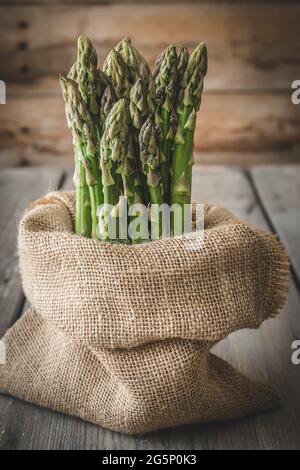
(81, 125)
(118, 73)
(113, 151)
(91, 85)
(128, 174)
(88, 78)
(92, 82)
(116, 69)
(138, 105)
(107, 101)
(166, 84)
(91, 88)
(189, 104)
(150, 160)
(132, 189)
(83, 219)
(138, 68)
(183, 59)
(135, 62)
(139, 112)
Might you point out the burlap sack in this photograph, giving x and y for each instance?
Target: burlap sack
(121, 335)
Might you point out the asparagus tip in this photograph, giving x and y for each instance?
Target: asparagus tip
(198, 58)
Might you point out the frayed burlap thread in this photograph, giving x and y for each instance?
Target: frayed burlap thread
(120, 335)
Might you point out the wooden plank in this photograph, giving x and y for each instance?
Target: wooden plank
(17, 189)
(262, 354)
(245, 41)
(234, 123)
(247, 122)
(246, 158)
(279, 190)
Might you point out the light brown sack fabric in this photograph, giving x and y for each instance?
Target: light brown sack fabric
(121, 335)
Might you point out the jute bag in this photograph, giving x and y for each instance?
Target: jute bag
(121, 335)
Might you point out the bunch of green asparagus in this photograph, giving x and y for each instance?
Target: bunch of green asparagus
(133, 135)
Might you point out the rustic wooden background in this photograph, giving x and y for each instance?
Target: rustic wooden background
(254, 55)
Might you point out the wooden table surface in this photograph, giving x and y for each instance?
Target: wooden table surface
(268, 196)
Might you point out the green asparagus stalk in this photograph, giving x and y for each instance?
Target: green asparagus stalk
(132, 189)
(107, 101)
(138, 105)
(150, 160)
(189, 104)
(90, 85)
(91, 88)
(83, 219)
(81, 125)
(139, 112)
(113, 152)
(92, 82)
(137, 65)
(116, 69)
(88, 79)
(138, 68)
(166, 85)
(183, 59)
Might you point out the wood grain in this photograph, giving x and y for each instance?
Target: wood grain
(245, 42)
(279, 190)
(263, 354)
(34, 129)
(17, 189)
